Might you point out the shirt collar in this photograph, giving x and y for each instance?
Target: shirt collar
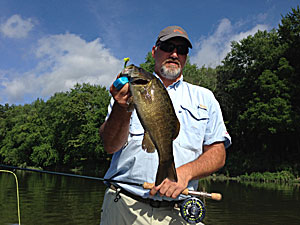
(176, 84)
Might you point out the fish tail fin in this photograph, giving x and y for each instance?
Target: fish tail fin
(166, 170)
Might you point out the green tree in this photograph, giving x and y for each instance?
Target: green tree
(149, 63)
(75, 117)
(205, 77)
(25, 131)
(60, 132)
(288, 31)
(255, 90)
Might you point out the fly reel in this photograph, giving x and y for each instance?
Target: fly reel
(192, 210)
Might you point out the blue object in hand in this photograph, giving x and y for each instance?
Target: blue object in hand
(120, 82)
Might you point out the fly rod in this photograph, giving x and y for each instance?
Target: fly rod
(145, 185)
(70, 175)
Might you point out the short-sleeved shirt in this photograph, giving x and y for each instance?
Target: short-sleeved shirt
(201, 123)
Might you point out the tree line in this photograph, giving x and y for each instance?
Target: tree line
(61, 132)
(257, 85)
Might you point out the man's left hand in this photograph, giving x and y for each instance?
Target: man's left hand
(170, 188)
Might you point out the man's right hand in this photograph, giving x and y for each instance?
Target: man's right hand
(121, 96)
(115, 130)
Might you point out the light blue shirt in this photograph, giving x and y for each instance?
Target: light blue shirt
(201, 123)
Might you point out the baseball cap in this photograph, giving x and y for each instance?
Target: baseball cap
(171, 32)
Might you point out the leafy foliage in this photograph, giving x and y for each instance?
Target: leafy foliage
(149, 64)
(205, 77)
(60, 132)
(277, 177)
(256, 87)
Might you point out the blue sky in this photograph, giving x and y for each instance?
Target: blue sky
(48, 46)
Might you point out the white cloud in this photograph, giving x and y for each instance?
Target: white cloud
(210, 51)
(16, 27)
(64, 60)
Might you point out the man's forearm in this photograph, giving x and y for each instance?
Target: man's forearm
(210, 161)
(114, 131)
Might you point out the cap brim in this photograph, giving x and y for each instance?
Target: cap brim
(167, 37)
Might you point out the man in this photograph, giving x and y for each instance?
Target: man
(199, 149)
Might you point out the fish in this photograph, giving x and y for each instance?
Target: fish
(156, 113)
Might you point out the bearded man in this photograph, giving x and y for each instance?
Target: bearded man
(199, 149)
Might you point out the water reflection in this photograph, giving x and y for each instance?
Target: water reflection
(50, 199)
(254, 203)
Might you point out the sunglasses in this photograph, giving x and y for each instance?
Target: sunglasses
(169, 47)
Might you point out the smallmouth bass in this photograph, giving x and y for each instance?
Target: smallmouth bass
(157, 116)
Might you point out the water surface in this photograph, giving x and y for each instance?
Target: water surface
(51, 199)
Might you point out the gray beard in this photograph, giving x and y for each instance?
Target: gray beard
(169, 73)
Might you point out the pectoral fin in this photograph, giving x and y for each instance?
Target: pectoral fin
(146, 94)
(147, 143)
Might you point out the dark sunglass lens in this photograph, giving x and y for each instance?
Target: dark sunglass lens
(167, 47)
(182, 49)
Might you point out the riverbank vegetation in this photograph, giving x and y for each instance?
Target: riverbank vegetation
(257, 85)
(276, 177)
(283, 176)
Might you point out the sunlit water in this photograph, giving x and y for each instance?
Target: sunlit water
(50, 199)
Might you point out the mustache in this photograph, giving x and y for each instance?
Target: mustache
(171, 61)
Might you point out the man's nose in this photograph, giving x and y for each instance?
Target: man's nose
(174, 53)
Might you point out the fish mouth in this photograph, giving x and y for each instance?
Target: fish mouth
(138, 81)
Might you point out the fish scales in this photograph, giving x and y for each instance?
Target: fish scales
(158, 118)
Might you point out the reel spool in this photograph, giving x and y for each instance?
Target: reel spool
(192, 210)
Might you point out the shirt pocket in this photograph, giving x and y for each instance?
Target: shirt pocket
(193, 122)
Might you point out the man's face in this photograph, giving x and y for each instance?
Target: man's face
(169, 65)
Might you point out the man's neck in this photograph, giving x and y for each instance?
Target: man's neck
(168, 82)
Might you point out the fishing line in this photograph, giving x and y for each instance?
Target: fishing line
(145, 185)
(70, 175)
(18, 197)
(192, 209)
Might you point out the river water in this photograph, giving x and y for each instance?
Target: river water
(51, 199)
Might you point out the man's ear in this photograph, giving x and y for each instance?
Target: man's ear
(154, 48)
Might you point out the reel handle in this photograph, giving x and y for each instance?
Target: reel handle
(214, 196)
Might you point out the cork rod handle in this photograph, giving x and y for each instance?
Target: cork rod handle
(214, 196)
